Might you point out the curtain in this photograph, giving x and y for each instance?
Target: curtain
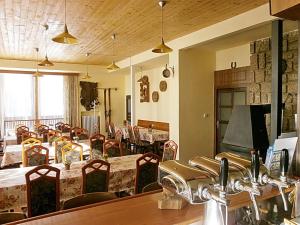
(71, 100)
(1, 108)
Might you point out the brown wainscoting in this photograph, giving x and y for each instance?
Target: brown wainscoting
(156, 125)
(233, 78)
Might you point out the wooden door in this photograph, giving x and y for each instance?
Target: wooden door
(128, 108)
(226, 100)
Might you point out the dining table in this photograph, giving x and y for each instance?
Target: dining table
(13, 183)
(12, 154)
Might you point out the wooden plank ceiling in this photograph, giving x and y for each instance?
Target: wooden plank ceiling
(135, 22)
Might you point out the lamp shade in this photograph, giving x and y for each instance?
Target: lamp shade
(112, 67)
(65, 37)
(162, 48)
(46, 62)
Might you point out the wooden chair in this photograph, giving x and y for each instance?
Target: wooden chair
(96, 146)
(52, 134)
(146, 171)
(112, 148)
(66, 128)
(43, 193)
(29, 134)
(152, 187)
(111, 130)
(131, 142)
(72, 152)
(170, 151)
(140, 145)
(58, 144)
(95, 176)
(43, 130)
(27, 144)
(7, 217)
(87, 199)
(81, 133)
(19, 130)
(59, 126)
(118, 136)
(72, 132)
(36, 155)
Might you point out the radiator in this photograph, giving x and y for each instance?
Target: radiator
(91, 123)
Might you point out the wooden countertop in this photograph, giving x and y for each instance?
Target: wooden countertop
(137, 210)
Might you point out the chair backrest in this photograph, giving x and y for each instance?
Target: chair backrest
(170, 151)
(43, 191)
(95, 176)
(36, 155)
(130, 134)
(137, 137)
(87, 199)
(7, 217)
(42, 129)
(53, 134)
(59, 126)
(146, 171)
(112, 148)
(96, 145)
(27, 144)
(118, 135)
(29, 134)
(66, 128)
(81, 133)
(58, 144)
(72, 132)
(72, 152)
(111, 130)
(19, 130)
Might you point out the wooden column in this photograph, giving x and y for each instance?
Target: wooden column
(276, 106)
(133, 91)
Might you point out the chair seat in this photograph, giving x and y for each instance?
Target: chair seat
(87, 199)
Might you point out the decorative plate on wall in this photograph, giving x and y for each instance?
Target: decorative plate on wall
(155, 96)
(163, 86)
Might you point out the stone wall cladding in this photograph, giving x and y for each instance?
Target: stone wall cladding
(259, 92)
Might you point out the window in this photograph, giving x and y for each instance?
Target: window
(50, 96)
(18, 96)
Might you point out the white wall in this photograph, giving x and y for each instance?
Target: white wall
(239, 54)
(196, 103)
(157, 111)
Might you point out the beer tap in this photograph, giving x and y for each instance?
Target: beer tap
(238, 181)
(263, 177)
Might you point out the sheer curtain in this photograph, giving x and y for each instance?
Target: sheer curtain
(50, 97)
(71, 100)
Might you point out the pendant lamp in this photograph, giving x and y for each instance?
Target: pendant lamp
(113, 66)
(87, 76)
(162, 47)
(65, 37)
(46, 61)
(37, 73)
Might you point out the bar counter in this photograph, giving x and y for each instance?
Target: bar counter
(137, 210)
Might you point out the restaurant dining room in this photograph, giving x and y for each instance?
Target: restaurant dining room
(152, 112)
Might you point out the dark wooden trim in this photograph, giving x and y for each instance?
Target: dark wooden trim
(42, 72)
(155, 125)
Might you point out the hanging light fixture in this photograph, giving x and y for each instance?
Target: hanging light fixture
(162, 48)
(65, 37)
(87, 76)
(113, 66)
(37, 73)
(46, 61)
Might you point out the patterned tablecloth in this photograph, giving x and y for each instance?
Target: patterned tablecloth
(154, 135)
(13, 183)
(13, 153)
